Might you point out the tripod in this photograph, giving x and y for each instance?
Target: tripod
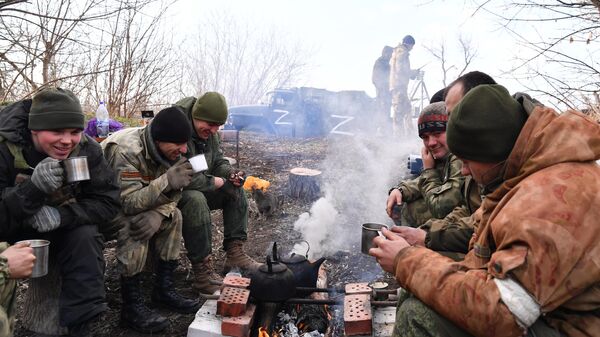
(423, 93)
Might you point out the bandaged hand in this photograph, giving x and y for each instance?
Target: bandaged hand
(48, 175)
(144, 225)
(45, 220)
(180, 174)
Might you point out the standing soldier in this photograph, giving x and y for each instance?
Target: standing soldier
(148, 161)
(381, 81)
(400, 75)
(216, 188)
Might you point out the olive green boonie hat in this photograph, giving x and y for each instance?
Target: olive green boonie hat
(485, 124)
(55, 108)
(211, 107)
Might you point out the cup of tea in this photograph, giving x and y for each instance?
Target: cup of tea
(41, 250)
(76, 169)
(198, 163)
(369, 232)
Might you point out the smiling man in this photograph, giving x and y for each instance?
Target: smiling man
(437, 189)
(37, 202)
(216, 188)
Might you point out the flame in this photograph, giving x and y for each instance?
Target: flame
(256, 183)
(262, 332)
(329, 317)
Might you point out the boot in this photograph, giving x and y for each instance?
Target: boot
(134, 313)
(164, 290)
(237, 258)
(205, 279)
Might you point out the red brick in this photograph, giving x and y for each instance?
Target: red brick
(357, 288)
(239, 326)
(232, 301)
(236, 282)
(358, 319)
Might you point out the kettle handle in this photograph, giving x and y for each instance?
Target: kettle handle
(275, 254)
(307, 247)
(269, 265)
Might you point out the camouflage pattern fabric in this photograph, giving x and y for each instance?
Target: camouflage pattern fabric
(434, 194)
(415, 319)
(7, 297)
(132, 254)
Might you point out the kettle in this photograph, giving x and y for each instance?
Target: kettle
(273, 281)
(305, 272)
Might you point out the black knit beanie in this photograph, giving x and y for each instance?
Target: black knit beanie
(484, 126)
(433, 118)
(171, 125)
(55, 108)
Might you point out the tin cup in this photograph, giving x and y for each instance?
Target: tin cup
(41, 249)
(369, 232)
(76, 169)
(198, 163)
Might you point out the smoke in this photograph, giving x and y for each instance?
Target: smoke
(357, 173)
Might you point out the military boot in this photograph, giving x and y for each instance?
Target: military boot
(206, 281)
(237, 258)
(134, 313)
(164, 290)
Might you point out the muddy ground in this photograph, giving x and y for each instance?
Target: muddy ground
(268, 158)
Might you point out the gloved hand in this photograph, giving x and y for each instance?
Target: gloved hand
(48, 175)
(144, 225)
(180, 174)
(46, 219)
(237, 177)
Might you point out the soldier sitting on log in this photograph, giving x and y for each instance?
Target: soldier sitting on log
(153, 174)
(437, 189)
(39, 203)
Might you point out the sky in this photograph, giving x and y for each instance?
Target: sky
(346, 36)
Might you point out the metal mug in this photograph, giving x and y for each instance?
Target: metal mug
(369, 232)
(76, 169)
(41, 249)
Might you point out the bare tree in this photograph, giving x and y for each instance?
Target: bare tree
(559, 46)
(453, 69)
(240, 61)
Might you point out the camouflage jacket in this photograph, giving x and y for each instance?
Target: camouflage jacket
(218, 166)
(381, 74)
(454, 231)
(4, 273)
(400, 72)
(537, 231)
(440, 187)
(142, 172)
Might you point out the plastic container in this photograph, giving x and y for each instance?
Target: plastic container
(102, 121)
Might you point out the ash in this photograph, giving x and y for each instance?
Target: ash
(287, 326)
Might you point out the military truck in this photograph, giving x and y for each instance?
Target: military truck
(305, 112)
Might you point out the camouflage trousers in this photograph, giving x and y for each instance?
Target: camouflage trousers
(415, 319)
(7, 311)
(415, 213)
(401, 112)
(197, 226)
(166, 243)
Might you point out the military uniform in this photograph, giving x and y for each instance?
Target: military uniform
(200, 197)
(433, 194)
(7, 296)
(381, 81)
(400, 75)
(132, 153)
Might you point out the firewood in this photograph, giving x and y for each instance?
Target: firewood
(304, 183)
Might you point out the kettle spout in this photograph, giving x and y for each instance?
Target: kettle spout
(318, 263)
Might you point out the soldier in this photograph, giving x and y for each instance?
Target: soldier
(437, 189)
(153, 173)
(16, 262)
(450, 235)
(381, 81)
(216, 188)
(531, 268)
(37, 202)
(400, 75)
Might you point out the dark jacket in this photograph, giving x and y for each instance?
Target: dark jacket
(92, 202)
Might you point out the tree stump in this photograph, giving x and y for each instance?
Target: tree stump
(304, 183)
(41, 303)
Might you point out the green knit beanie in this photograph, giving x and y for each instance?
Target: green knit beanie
(55, 108)
(211, 107)
(484, 126)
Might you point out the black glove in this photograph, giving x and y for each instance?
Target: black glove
(48, 175)
(180, 174)
(45, 220)
(144, 225)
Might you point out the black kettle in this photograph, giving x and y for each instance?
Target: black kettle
(273, 281)
(305, 272)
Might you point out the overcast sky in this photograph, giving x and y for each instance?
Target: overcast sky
(347, 35)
